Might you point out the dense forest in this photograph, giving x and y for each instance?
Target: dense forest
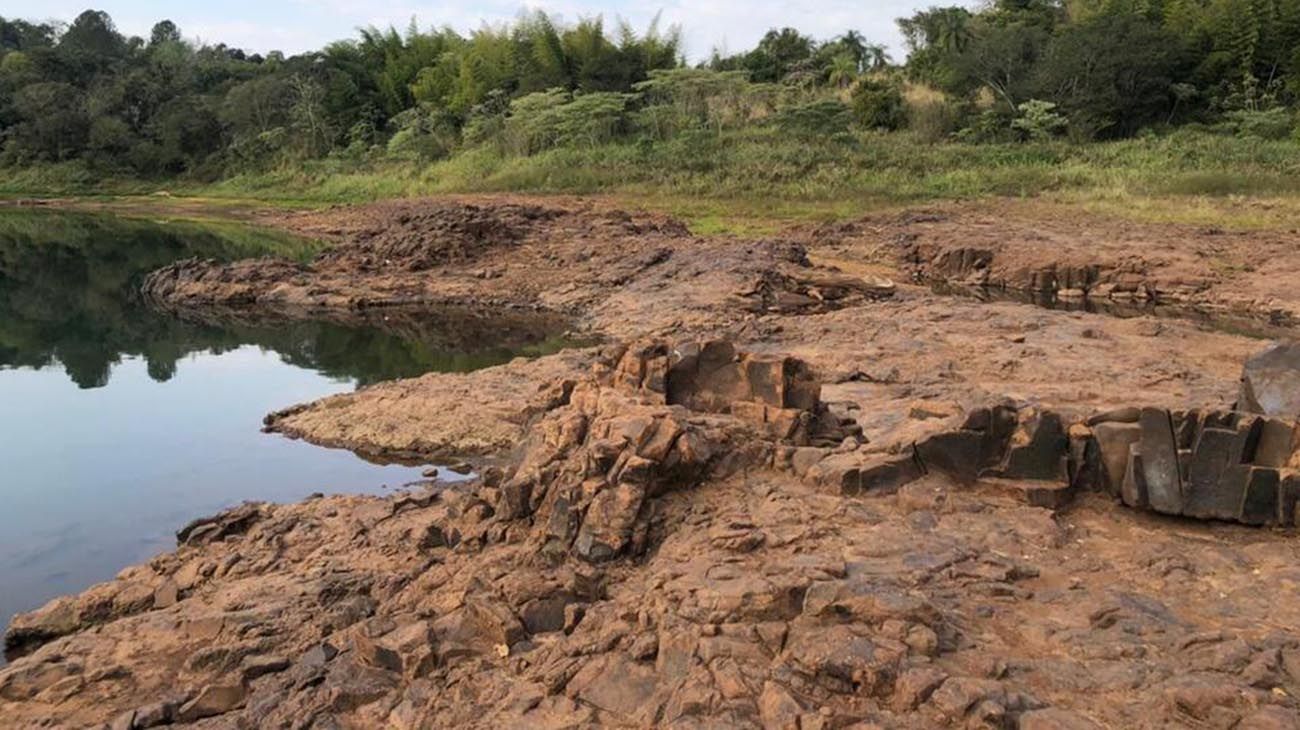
(1010, 71)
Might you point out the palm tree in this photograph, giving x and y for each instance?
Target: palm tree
(855, 44)
(843, 71)
(874, 57)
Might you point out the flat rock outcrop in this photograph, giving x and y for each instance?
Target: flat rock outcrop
(651, 557)
(796, 496)
(616, 274)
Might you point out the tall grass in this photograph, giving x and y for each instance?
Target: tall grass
(762, 164)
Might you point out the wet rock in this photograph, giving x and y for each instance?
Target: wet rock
(235, 521)
(1134, 488)
(1259, 500)
(547, 614)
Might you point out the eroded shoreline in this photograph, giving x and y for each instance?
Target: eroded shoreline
(775, 528)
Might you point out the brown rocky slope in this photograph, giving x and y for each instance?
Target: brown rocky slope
(873, 511)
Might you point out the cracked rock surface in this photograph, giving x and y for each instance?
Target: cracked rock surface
(781, 494)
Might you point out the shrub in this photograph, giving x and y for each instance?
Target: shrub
(1039, 121)
(826, 118)
(1277, 123)
(932, 115)
(878, 104)
(424, 133)
(555, 118)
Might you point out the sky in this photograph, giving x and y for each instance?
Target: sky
(294, 26)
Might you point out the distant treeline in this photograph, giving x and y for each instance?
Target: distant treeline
(1014, 70)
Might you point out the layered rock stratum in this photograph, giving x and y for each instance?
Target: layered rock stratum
(783, 492)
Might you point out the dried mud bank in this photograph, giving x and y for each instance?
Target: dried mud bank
(1067, 258)
(799, 498)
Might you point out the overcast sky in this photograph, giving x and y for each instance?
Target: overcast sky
(299, 25)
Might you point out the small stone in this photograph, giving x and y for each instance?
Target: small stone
(377, 655)
(211, 701)
(124, 721)
(804, 458)
(319, 655)
(915, 686)
(778, 708)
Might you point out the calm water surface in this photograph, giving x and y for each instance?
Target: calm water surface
(118, 423)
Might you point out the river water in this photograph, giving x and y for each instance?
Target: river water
(119, 424)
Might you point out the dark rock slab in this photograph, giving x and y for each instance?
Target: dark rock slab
(1270, 382)
(1207, 497)
(1160, 461)
(959, 454)
(1278, 441)
(1187, 424)
(888, 475)
(1134, 488)
(1086, 471)
(1260, 498)
(1114, 438)
(1288, 493)
(1038, 449)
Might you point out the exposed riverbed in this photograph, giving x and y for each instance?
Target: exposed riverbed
(120, 423)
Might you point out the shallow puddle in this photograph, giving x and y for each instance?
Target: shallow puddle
(1264, 328)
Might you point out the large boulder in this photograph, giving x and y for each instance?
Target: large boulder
(1270, 382)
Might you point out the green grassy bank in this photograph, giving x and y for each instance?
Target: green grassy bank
(715, 177)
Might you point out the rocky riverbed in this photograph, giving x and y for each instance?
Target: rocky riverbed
(787, 489)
